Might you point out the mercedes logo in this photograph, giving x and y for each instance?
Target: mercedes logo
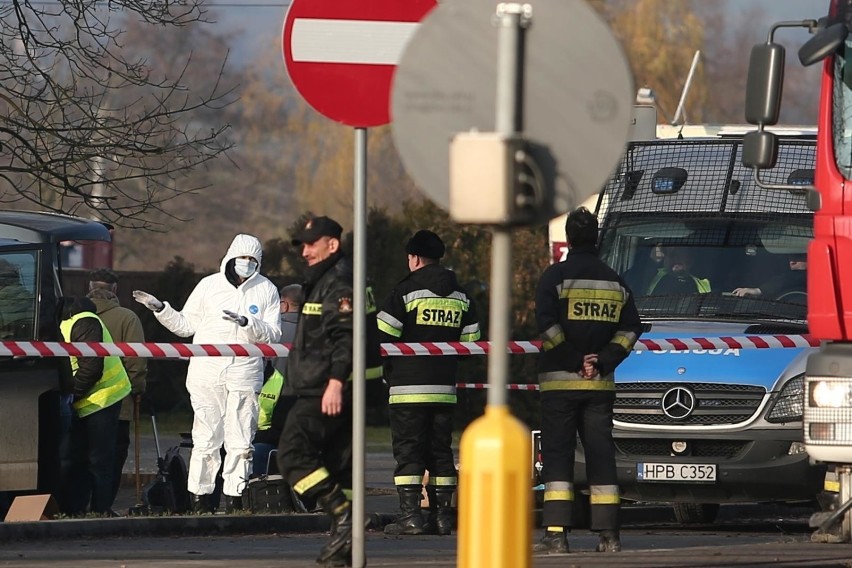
(678, 403)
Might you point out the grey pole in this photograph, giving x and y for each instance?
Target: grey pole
(359, 347)
(511, 19)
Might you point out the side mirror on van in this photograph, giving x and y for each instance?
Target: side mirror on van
(765, 84)
(760, 150)
(823, 44)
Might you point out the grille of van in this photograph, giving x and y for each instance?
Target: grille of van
(697, 448)
(642, 403)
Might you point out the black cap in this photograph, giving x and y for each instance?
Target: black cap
(426, 244)
(316, 228)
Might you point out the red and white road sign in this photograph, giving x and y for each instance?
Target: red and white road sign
(341, 54)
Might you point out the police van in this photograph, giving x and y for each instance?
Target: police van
(710, 254)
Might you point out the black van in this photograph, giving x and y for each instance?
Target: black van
(31, 271)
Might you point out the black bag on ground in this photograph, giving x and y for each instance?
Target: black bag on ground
(268, 494)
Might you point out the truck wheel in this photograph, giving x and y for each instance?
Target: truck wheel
(695, 513)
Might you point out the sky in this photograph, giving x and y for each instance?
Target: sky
(259, 23)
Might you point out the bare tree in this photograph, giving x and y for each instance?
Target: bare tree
(89, 126)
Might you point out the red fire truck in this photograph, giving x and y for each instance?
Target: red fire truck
(828, 386)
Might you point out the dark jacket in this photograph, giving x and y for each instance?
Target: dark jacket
(322, 348)
(428, 305)
(583, 307)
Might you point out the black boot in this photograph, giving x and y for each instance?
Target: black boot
(410, 520)
(233, 504)
(553, 542)
(338, 550)
(441, 512)
(610, 541)
(200, 504)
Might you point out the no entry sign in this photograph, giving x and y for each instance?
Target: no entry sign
(341, 54)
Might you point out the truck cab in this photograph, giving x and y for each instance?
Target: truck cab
(31, 273)
(708, 253)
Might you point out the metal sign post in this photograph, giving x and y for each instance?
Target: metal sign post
(341, 56)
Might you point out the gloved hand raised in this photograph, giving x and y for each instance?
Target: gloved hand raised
(148, 300)
(241, 321)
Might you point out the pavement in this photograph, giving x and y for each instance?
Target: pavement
(380, 506)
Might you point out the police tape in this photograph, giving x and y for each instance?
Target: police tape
(20, 349)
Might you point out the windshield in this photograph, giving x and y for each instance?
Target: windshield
(17, 295)
(843, 111)
(731, 268)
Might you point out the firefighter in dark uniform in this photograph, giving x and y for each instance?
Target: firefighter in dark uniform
(315, 450)
(427, 305)
(588, 324)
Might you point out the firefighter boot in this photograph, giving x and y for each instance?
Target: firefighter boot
(200, 504)
(441, 513)
(233, 504)
(609, 542)
(338, 550)
(553, 542)
(410, 520)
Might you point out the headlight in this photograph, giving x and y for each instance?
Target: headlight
(789, 402)
(830, 394)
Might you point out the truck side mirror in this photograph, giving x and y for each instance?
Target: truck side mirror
(760, 150)
(765, 84)
(823, 44)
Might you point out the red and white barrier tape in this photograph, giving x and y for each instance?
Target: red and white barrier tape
(182, 350)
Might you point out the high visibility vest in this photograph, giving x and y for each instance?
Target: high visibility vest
(269, 395)
(113, 385)
(702, 285)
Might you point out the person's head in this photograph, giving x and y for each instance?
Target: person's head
(424, 248)
(320, 238)
(103, 279)
(657, 253)
(243, 257)
(581, 228)
(678, 259)
(291, 298)
(798, 261)
(9, 274)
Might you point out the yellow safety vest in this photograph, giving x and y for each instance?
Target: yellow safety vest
(269, 395)
(113, 385)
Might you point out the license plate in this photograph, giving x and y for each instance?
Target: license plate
(700, 472)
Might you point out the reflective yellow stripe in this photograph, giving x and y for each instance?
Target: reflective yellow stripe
(389, 329)
(408, 480)
(625, 340)
(447, 481)
(348, 494)
(592, 294)
(604, 499)
(312, 309)
(470, 336)
(422, 398)
(372, 373)
(833, 486)
(556, 529)
(559, 495)
(576, 385)
(604, 495)
(311, 480)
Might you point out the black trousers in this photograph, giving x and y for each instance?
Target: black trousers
(564, 416)
(311, 441)
(422, 439)
(122, 447)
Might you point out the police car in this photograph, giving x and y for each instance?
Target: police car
(709, 254)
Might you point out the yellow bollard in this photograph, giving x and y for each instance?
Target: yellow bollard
(495, 493)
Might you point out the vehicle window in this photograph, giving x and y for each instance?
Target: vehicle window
(727, 267)
(17, 295)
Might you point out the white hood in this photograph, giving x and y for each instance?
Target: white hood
(243, 245)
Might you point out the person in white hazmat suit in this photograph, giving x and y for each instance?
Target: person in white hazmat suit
(235, 305)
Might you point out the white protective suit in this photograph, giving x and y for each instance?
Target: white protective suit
(224, 390)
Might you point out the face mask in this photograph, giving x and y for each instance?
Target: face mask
(244, 267)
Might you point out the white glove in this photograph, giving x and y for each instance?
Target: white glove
(148, 300)
(241, 321)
